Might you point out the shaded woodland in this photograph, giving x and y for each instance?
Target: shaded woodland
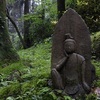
(26, 29)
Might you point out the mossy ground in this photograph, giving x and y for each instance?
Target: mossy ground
(28, 78)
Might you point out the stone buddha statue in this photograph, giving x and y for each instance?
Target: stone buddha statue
(69, 74)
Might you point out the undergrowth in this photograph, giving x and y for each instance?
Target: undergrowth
(29, 78)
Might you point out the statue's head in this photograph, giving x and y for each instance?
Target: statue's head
(69, 46)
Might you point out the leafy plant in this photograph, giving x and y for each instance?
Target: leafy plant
(96, 44)
(33, 74)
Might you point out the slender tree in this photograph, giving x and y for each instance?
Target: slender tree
(60, 7)
(7, 52)
(17, 30)
(27, 40)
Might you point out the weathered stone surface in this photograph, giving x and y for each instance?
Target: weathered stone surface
(72, 23)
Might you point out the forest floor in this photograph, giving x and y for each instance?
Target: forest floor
(29, 78)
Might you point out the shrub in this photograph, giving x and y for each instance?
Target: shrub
(96, 45)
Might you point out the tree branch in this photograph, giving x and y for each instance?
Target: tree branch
(17, 30)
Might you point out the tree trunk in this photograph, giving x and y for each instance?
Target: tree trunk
(7, 52)
(26, 26)
(17, 30)
(60, 7)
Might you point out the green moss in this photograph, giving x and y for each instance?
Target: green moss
(26, 86)
(3, 92)
(10, 68)
(14, 89)
(11, 90)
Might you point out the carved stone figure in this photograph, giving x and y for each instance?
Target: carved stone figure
(69, 73)
(72, 70)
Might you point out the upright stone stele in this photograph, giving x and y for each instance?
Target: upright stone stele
(71, 69)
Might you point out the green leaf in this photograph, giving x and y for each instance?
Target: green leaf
(53, 95)
(4, 83)
(67, 98)
(10, 98)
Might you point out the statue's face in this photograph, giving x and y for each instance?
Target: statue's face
(69, 47)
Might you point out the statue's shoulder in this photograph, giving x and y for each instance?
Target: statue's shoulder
(79, 57)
